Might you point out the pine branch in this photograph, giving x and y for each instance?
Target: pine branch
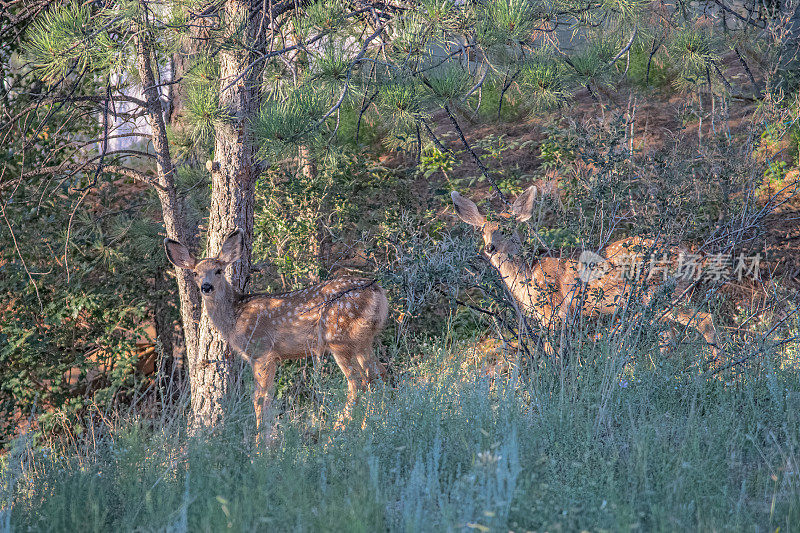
(359, 57)
(98, 99)
(747, 20)
(73, 99)
(276, 12)
(626, 48)
(270, 55)
(481, 166)
(434, 138)
(74, 168)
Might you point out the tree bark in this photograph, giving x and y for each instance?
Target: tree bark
(170, 206)
(234, 173)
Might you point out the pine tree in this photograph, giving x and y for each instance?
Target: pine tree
(266, 81)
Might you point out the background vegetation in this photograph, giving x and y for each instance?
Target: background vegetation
(632, 118)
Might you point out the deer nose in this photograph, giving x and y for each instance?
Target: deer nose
(206, 288)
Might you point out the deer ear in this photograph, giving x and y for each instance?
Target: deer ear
(467, 210)
(523, 205)
(232, 247)
(179, 254)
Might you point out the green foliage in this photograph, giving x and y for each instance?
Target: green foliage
(447, 448)
(449, 82)
(508, 21)
(494, 149)
(487, 102)
(203, 111)
(434, 160)
(55, 329)
(442, 15)
(286, 225)
(778, 146)
(543, 83)
(70, 308)
(558, 238)
(323, 15)
(401, 108)
(776, 172)
(332, 65)
(426, 262)
(371, 131)
(67, 41)
(661, 73)
(626, 10)
(693, 52)
(591, 64)
(557, 150)
(410, 38)
(298, 214)
(285, 123)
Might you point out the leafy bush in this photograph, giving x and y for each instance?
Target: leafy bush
(62, 323)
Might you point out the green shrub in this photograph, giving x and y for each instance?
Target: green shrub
(76, 321)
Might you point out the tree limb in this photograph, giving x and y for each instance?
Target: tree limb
(626, 48)
(74, 168)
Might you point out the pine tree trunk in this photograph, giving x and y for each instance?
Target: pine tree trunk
(167, 195)
(234, 174)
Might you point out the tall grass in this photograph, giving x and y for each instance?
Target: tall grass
(451, 446)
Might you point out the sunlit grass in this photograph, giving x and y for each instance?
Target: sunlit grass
(456, 443)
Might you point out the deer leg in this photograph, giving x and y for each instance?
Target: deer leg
(264, 376)
(352, 372)
(364, 368)
(561, 319)
(703, 323)
(666, 338)
(371, 368)
(549, 351)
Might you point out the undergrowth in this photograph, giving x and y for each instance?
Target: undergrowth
(456, 443)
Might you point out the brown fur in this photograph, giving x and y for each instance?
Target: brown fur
(341, 316)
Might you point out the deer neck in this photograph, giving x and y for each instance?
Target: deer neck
(222, 314)
(517, 276)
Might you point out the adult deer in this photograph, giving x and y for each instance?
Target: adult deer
(341, 316)
(552, 289)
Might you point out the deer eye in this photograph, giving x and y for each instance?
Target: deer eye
(194, 274)
(490, 248)
(218, 272)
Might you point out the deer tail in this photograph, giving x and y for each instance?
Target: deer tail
(381, 308)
